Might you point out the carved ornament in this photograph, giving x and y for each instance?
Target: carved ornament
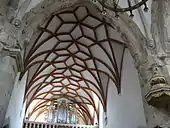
(158, 94)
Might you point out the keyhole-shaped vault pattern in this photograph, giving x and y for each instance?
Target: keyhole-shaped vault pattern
(77, 54)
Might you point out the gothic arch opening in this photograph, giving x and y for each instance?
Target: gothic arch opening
(75, 56)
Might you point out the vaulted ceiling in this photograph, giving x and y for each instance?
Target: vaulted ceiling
(77, 53)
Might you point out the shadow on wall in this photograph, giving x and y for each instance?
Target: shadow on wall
(141, 127)
(6, 123)
(6, 126)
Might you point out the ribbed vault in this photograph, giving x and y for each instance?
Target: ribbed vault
(74, 57)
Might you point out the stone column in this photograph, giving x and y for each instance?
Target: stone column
(10, 65)
(8, 72)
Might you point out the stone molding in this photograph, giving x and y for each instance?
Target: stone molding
(14, 53)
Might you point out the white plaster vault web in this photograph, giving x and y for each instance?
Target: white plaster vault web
(76, 55)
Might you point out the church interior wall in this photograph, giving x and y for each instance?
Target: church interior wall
(126, 109)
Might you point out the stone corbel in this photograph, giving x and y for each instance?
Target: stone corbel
(14, 53)
(158, 94)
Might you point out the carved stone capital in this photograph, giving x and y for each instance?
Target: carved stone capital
(158, 94)
(14, 53)
(147, 66)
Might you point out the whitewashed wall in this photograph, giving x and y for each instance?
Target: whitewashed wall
(101, 117)
(16, 108)
(143, 20)
(126, 110)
